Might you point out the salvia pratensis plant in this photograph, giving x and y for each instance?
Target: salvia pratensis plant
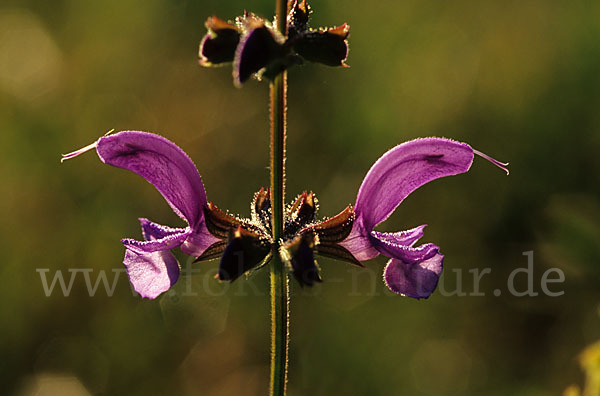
(283, 238)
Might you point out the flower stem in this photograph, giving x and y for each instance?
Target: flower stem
(279, 279)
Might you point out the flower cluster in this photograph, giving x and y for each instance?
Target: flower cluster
(256, 48)
(244, 245)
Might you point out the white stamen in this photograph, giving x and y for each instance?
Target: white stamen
(83, 149)
(501, 165)
(78, 152)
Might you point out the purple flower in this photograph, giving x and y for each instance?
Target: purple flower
(411, 271)
(246, 244)
(151, 267)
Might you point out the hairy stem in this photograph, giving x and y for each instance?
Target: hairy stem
(279, 278)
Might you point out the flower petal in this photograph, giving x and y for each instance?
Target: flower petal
(165, 243)
(153, 231)
(405, 168)
(161, 163)
(388, 245)
(151, 273)
(417, 280)
(198, 241)
(406, 238)
(358, 243)
(151, 267)
(411, 271)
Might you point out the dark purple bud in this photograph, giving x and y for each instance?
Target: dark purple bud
(300, 214)
(245, 250)
(304, 209)
(219, 44)
(328, 47)
(299, 255)
(297, 17)
(257, 49)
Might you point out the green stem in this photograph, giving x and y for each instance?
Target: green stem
(279, 278)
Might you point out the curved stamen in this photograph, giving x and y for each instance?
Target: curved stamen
(82, 150)
(78, 152)
(501, 165)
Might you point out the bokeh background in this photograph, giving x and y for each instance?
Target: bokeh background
(517, 80)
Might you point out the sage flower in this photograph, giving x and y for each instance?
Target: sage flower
(151, 267)
(411, 271)
(246, 244)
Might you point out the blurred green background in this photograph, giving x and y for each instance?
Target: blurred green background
(517, 80)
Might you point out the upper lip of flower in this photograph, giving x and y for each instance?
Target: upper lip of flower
(350, 236)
